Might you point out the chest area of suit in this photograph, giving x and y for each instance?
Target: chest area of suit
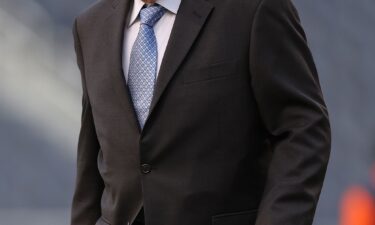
(213, 65)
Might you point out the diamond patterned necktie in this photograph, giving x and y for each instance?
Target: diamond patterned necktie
(143, 62)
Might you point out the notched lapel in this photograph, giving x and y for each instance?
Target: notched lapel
(113, 35)
(190, 20)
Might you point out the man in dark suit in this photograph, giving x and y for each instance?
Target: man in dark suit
(198, 112)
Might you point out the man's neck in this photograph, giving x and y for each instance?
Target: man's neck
(149, 1)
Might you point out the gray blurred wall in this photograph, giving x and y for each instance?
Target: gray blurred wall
(40, 102)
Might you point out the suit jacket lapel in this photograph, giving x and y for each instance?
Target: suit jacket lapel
(113, 35)
(189, 21)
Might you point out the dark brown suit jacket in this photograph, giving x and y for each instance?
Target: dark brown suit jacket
(238, 131)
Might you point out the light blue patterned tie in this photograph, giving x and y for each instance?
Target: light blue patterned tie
(143, 62)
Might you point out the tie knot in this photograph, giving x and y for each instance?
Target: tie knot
(151, 14)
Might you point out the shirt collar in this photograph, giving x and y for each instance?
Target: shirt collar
(171, 5)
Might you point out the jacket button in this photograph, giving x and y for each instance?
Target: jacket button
(146, 168)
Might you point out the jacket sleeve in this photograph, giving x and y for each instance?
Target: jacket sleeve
(290, 101)
(89, 184)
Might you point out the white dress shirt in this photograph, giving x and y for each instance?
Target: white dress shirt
(162, 29)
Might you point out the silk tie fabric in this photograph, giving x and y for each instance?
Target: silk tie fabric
(143, 62)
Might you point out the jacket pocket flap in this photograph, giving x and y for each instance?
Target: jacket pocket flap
(247, 217)
(215, 70)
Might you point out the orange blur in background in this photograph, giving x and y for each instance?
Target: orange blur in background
(358, 204)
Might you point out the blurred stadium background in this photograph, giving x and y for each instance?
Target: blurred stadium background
(40, 97)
